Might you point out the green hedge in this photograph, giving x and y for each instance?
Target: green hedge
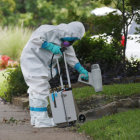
(16, 85)
(97, 50)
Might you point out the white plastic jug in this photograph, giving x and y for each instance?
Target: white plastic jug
(96, 77)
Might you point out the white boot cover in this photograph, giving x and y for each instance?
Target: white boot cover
(38, 103)
(38, 113)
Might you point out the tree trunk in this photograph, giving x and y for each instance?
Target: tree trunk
(125, 34)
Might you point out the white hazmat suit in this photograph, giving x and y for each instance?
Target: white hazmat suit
(35, 62)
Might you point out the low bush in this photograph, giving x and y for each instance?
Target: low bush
(16, 85)
(108, 54)
(97, 50)
(132, 67)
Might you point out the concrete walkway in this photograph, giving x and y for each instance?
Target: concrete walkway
(15, 125)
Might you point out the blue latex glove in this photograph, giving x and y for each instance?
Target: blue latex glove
(81, 70)
(51, 47)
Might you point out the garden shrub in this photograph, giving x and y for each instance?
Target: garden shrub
(132, 67)
(107, 54)
(16, 84)
(97, 50)
(109, 24)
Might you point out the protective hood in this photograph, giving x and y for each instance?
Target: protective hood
(73, 29)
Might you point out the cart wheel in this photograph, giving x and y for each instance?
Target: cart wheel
(82, 118)
(72, 123)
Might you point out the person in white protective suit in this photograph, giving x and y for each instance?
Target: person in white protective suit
(35, 64)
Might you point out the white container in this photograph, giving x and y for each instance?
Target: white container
(63, 107)
(96, 77)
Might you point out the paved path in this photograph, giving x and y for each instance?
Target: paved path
(14, 125)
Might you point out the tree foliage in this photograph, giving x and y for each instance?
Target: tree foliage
(109, 24)
(7, 9)
(36, 12)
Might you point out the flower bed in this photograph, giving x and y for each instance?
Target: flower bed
(6, 62)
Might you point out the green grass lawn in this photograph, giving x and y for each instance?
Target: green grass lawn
(116, 89)
(121, 126)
